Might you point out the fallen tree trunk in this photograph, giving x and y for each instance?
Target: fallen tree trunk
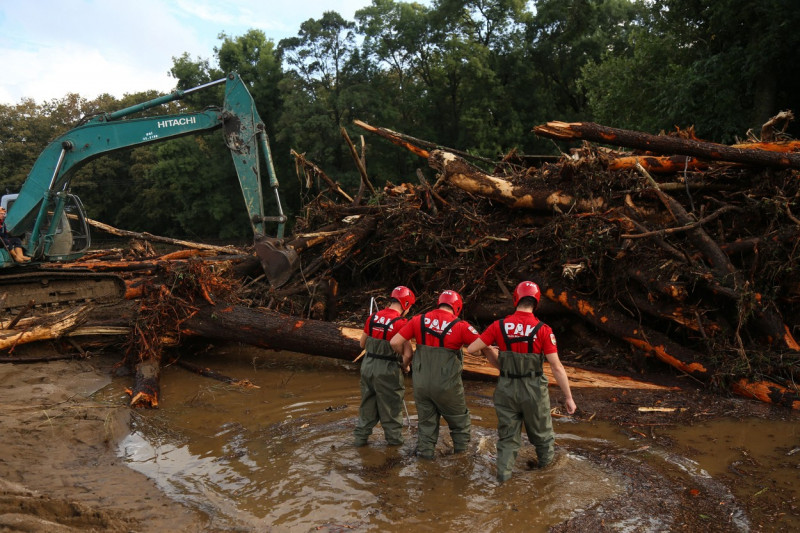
(664, 144)
(281, 332)
(208, 373)
(267, 329)
(649, 342)
(458, 172)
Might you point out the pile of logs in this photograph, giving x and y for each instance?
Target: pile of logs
(683, 250)
(676, 255)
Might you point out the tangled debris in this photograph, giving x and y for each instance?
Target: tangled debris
(684, 262)
(697, 269)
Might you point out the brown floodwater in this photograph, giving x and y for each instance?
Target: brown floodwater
(280, 458)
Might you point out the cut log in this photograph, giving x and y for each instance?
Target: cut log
(266, 329)
(146, 387)
(281, 332)
(663, 144)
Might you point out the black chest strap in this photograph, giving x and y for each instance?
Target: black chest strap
(374, 324)
(424, 330)
(509, 340)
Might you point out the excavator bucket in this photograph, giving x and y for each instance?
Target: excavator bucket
(278, 261)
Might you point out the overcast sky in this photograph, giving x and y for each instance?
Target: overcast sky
(49, 48)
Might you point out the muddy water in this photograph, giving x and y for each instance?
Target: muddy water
(280, 458)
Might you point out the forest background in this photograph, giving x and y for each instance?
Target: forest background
(473, 75)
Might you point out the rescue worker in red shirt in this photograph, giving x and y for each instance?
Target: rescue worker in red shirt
(521, 394)
(382, 384)
(437, 364)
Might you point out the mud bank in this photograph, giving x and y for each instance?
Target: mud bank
(58, 468)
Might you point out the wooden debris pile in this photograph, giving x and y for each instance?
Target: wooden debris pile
(692, 263)
(679, 254)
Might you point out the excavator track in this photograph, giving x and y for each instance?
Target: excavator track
(50, 288)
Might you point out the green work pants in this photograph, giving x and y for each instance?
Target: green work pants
(518, 401)
(439, 392)
(382, 394)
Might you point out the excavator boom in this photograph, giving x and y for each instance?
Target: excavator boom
(39, 212)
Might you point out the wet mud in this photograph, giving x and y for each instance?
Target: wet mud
(215, 457)
(282, 457)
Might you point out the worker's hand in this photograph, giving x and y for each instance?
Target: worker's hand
(407, 369)
(571, 406)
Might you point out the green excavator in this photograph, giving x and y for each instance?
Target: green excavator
(51, 220)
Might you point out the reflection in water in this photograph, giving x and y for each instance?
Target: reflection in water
(282, 456)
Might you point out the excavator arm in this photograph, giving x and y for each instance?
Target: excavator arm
(40, 210)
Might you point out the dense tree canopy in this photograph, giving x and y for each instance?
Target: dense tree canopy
(475, 75)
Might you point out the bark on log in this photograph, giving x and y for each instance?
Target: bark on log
(458, 172)
(650, 342)
(669, 164)
(267, 329)
(768, 392)
(666, 145)
(271, 330)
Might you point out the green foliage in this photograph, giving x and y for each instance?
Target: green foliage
(721, 66)
(475, 75)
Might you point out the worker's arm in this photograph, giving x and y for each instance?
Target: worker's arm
(408, 354)
(490, 353)
(561, 378)
(478, 346)
(363, 340)
(397, 343)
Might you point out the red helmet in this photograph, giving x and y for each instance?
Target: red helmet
(526, 288)
(453, 299)
(404, 296)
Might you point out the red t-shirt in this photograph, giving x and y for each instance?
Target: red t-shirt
(462, 334)
(519, 324)
(384, 317)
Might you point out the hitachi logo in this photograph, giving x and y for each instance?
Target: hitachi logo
(176, 122)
